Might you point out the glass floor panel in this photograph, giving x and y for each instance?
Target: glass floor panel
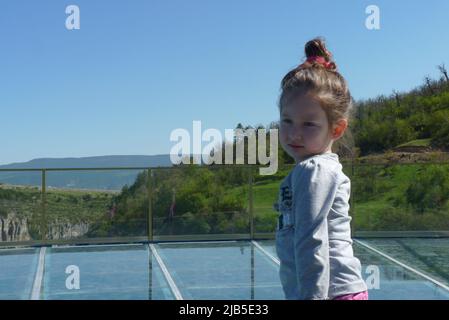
(228, 270)
(105, 272)
(387, 280)
(232, 270)
(430, 256)
(395, 282)
(17, 271)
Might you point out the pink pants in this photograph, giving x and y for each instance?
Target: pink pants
(353, 296)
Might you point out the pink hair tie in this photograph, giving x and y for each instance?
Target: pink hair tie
(321, 60)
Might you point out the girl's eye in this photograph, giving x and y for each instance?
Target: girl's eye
(286, 121)
(309, 124)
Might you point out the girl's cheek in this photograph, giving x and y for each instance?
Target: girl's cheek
(282, 138)
(282, 133)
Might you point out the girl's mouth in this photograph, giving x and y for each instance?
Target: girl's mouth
(295, 146)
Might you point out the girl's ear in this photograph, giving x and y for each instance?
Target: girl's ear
(339, 128)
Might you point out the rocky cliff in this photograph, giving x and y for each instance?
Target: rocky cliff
(13, 228)
(16, 228)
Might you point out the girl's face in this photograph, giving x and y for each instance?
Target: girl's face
(304, 128)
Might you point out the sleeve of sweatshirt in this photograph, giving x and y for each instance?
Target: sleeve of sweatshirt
(314, 189)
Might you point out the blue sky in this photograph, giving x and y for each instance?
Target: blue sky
(136, 70)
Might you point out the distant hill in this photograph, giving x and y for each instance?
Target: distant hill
(162, 160)
(102, 180)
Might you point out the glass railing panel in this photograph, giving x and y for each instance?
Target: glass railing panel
(195, 201)
(92, 204)
(401, 197)
(21, 210)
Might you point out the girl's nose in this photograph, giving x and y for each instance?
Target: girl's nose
(296, 135)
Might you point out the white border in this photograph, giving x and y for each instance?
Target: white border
(269, 255)
(167, 275)
(37, 285)
(162, 243)
(74, 246)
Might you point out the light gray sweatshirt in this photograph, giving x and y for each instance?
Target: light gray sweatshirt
(313, 236)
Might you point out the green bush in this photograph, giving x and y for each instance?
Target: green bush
(430, 189)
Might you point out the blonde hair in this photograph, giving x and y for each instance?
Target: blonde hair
(324, 83)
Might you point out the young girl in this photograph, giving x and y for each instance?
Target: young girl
(313, 236)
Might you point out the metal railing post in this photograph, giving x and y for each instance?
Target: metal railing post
(150, 204)
(251, 204)
(43, 223)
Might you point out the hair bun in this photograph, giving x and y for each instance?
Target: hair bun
(317, 54)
